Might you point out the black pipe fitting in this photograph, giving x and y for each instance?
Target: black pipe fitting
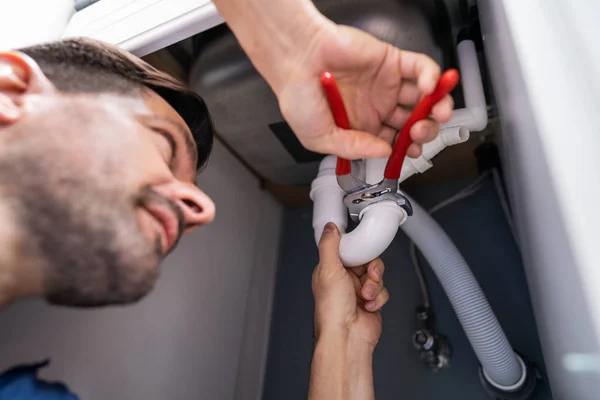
(525, 392)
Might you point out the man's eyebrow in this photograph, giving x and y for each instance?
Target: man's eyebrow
(190, 144)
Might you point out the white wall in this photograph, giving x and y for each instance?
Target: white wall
(204, 327)
(27, 22)
(545, 65)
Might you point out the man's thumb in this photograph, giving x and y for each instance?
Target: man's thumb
(329, 246)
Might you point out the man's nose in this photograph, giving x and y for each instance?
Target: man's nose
(198, 209)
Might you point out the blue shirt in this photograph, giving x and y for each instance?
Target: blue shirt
(22, 383)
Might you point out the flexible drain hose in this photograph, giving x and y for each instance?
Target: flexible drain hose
(497, 358)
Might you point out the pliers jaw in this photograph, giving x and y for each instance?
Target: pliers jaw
(360, 195)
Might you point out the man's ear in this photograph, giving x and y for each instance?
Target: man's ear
(19, 76)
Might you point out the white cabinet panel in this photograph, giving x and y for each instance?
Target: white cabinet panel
(144, 26)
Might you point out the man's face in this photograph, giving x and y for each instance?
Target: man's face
(100, 186)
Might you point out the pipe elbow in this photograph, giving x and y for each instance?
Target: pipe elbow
(377, 228)
(474, 119)
(479, 118)
(378, 224)
(474, 116)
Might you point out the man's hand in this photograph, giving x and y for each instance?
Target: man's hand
(347, 301)
(347, 323)
(379, 83)
(291, 44)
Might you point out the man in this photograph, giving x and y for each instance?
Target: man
(99, 153)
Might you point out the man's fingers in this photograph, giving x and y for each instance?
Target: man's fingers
(371, 289)
(414, 150)
(368, 279)
(424, 131)
(442, 110)
(420, 68)
(353, 145)
(358, 271)
(375, 270)
(356, 283)
(398, 118)
(409, 94)
(378, 302)
(388, 134)
(329, 245)
(372, 281)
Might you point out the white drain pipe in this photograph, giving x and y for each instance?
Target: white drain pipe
(378, 222)
(474, 116)
(501, 367)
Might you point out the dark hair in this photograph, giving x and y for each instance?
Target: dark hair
(83, 65)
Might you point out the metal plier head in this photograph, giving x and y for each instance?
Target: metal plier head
(359, 194)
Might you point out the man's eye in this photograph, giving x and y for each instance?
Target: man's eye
(166, 144)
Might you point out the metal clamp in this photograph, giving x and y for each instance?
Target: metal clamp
(359, 199)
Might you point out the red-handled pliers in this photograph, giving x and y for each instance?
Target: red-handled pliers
(359, 194)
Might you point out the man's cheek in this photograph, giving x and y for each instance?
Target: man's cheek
(138, 165)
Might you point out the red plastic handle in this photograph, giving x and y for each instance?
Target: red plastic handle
(448, 81)
(334, 98)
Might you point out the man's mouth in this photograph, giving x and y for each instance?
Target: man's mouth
(167, 218)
